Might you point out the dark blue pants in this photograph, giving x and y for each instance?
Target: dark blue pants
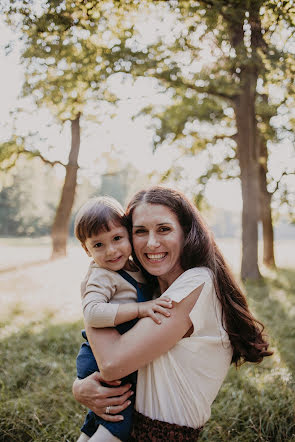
(86, 365)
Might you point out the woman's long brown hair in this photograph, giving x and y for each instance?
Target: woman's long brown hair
(200, 250)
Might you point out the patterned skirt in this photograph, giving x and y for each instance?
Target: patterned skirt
(152, 430)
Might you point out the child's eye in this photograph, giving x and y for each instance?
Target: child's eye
(117, 238)
(97, 245)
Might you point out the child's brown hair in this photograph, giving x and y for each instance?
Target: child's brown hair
(96, 215)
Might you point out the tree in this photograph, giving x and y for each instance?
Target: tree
(67, 46)
(237, 43)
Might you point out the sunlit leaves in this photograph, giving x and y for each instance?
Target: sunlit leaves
(70, 50)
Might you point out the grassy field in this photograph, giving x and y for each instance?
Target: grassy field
(38, 348)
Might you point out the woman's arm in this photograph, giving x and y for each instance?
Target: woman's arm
(118, 355)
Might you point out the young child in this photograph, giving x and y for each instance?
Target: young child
(113, 295)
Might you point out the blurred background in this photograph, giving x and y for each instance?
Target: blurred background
(110, 97)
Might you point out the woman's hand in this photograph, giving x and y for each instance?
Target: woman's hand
(93, 395)
(150, 308)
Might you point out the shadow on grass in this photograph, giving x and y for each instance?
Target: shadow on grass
(26, 265)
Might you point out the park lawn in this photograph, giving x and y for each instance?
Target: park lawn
(256, 402)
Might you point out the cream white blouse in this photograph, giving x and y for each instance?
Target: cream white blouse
(180, 386)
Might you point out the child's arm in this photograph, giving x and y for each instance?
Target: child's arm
(133, 310)
(97, 290)
(99, 312)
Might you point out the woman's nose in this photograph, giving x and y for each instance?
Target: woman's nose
(153, 242)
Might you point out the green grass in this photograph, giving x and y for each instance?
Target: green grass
(37, 370)
(256, 402)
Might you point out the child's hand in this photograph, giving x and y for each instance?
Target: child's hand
(149, 308)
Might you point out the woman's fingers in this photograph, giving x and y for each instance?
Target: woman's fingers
(110, 417)
(112, 383)
(113, 414)
(114, 392)
(114, 407)
(120, 401)
(116, 404)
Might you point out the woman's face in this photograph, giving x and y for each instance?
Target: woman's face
(158, 240)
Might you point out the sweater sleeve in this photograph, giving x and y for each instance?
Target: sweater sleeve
(96, 293)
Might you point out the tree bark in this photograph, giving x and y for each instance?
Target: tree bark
(265, 209)
(60, 227)
(247, 145)
(244, 106)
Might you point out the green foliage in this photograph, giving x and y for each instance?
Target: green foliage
(10, 151)
(62, 57)
(70, 49)
(115, 185)
(239, 39)
(175, 119)
(26, 207)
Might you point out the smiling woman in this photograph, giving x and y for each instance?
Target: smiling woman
(182, 362)
(158, 241)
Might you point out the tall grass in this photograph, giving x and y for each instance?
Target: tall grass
(37, 370)
(256, 402)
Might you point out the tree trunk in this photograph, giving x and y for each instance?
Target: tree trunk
(244, 105)
(247, 140)
(265, 209)
(60, 228)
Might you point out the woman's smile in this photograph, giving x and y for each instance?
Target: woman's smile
(156, 257)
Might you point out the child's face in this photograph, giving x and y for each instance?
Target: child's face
(110, 250)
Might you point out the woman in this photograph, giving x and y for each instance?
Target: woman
(182, 362)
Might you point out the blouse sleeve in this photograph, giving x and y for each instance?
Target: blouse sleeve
(96, 295)
(188, 282)
(206, 315)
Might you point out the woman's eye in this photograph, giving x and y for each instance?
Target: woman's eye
(164, 229)
(97, 245)
(139, 231)
(117, 238)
